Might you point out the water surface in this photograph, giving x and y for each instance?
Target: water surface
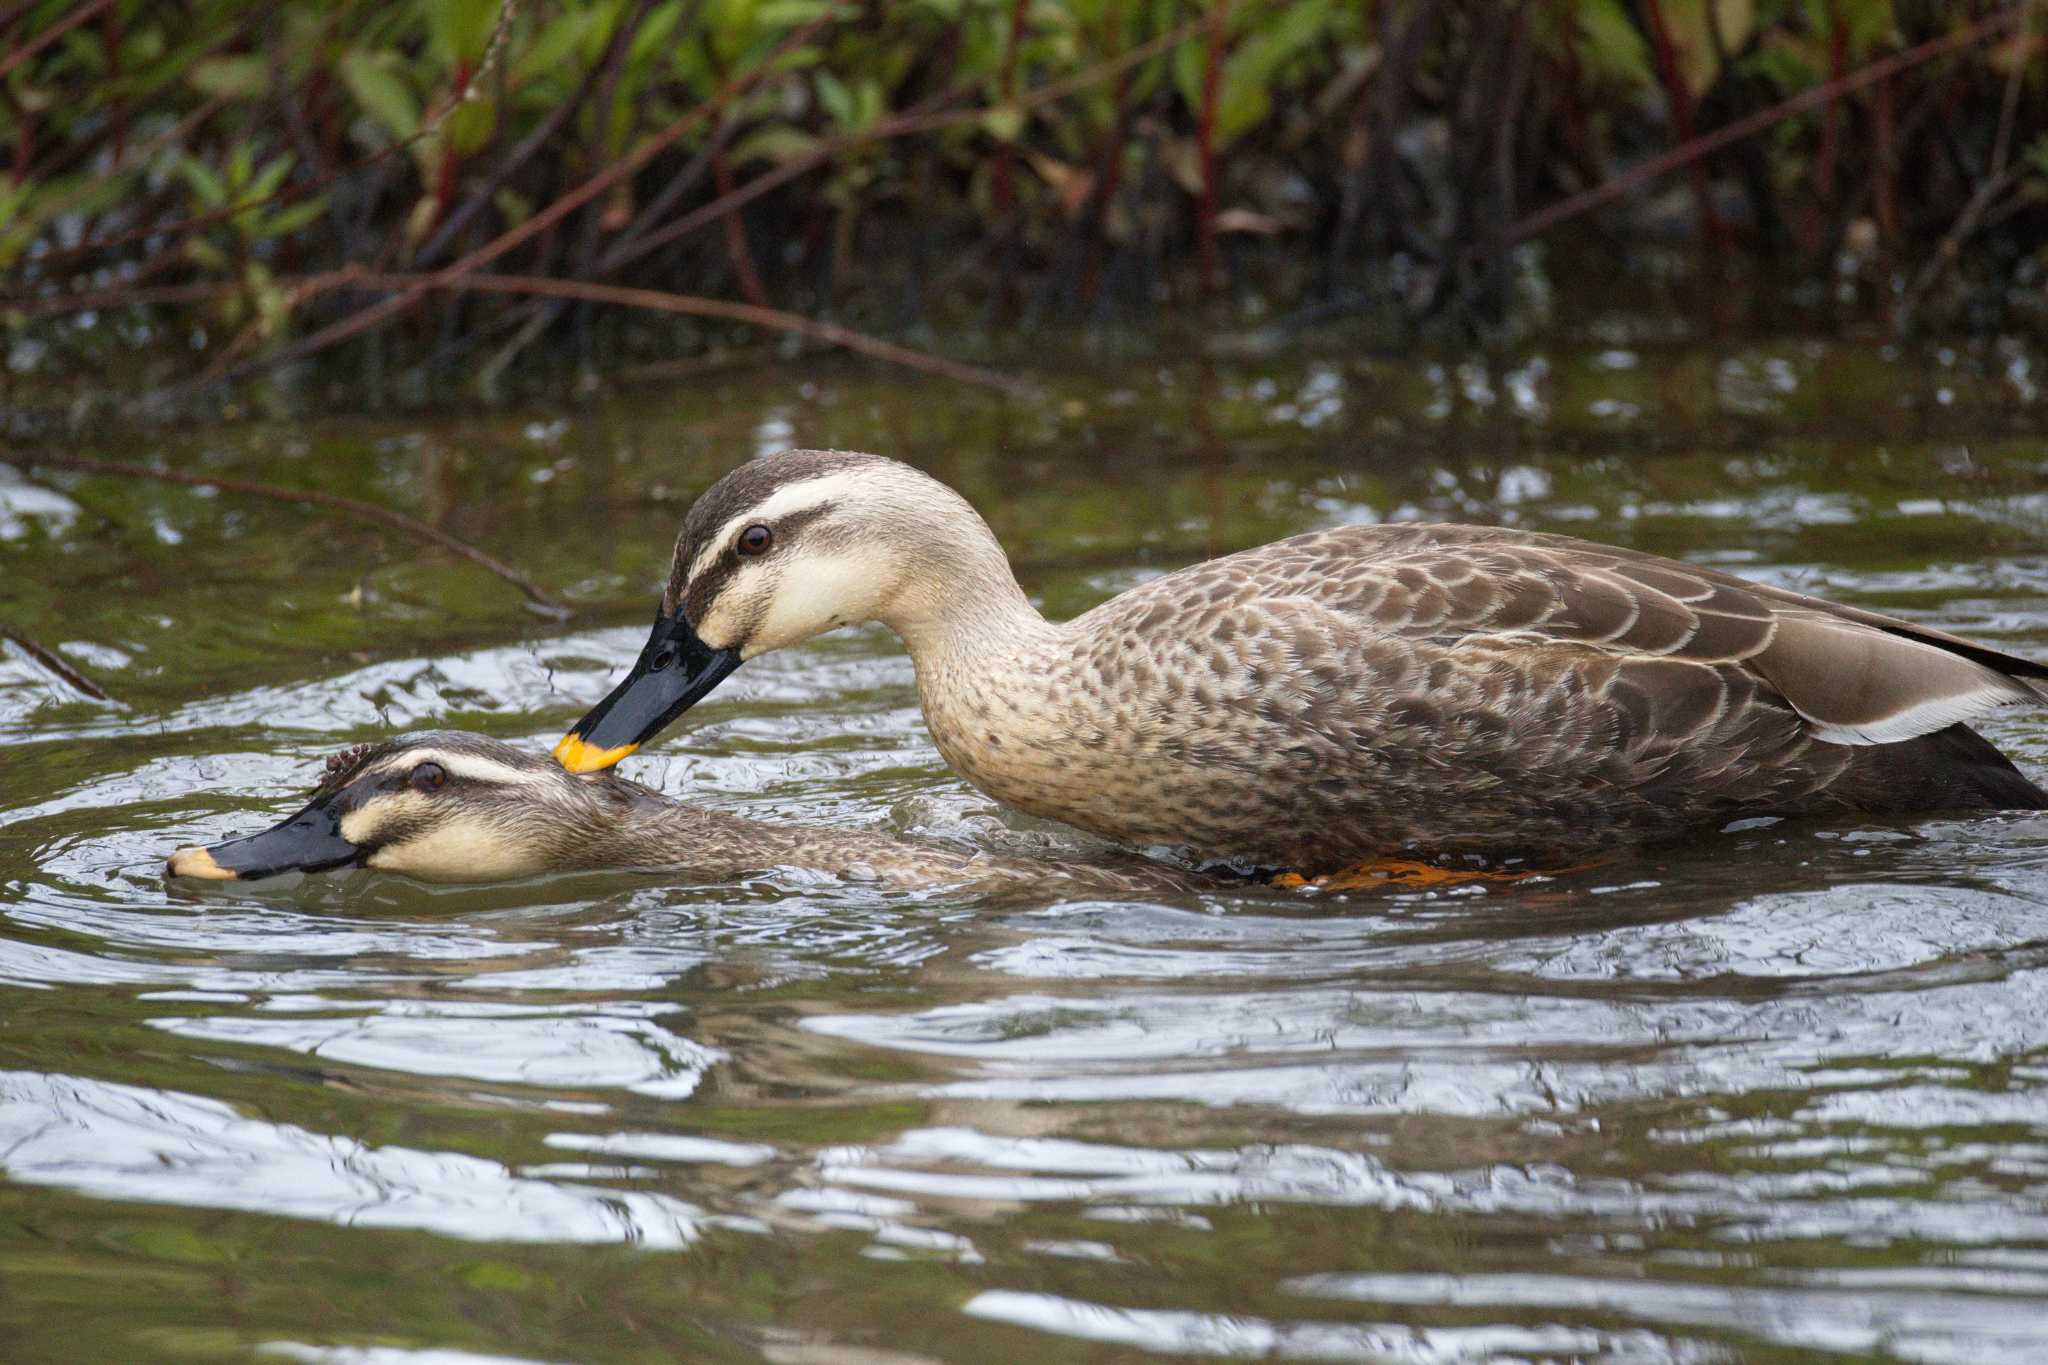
(1780, 1094)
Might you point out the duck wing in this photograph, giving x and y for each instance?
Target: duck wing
(1856, 677)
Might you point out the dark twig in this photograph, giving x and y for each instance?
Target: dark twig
(902, 125)
(1205, 136)
(658, 301)
(54, 664)
(385, 309)
(1540, 222)
(334, 502)
(52, 34)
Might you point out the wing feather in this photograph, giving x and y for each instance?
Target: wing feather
(1855, 676)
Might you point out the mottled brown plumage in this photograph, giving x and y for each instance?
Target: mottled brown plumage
(1365, 690)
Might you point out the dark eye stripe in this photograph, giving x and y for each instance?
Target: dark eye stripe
(704, 591)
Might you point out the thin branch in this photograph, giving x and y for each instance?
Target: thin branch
(55, 665)
(52, 34)
(691, 305)
(901, 125)
(2002, 145)
(1205, 139)
(385, 309)
(1706, 144)
(334, 502)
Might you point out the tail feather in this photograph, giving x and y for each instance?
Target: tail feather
(1958, 769)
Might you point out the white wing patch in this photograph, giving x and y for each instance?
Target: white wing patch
(1922, 718)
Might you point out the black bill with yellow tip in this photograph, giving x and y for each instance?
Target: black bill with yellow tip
(674, 673)
(307, 842)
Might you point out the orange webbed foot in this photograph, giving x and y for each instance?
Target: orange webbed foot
(1412, 874)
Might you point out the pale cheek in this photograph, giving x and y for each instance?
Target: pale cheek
(720, 625)
(823, 595)
(457, 854)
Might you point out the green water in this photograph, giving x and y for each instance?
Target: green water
(1779, 1095)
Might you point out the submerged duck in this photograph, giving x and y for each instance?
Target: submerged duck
(1339, 696)
(447, 806)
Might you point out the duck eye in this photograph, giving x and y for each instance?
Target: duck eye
(428, 777)
(755, 540)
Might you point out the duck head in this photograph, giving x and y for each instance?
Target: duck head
(440, 805)
(784, 548)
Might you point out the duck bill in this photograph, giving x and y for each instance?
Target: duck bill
(674, 673)
(308, 842)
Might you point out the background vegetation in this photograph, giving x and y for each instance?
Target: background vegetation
(221, 186)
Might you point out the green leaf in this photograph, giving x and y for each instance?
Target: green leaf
(461, 29)
(513, 207)
(552, 46)
(835, 98)
(205, 254)
(470, 124)
(1611, 45)
(204, 182)
(1005, 123)
(788, 14)
(286, 221)
(231, 77)
(2036, 155)
(269, 178)
(654, 35)
(380, 92)
(776, 144)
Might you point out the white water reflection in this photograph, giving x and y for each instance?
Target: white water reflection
(1235, 1336)
(127, 1142)
(1961, 1327)
(666, 1147)
(1461, 1052)
(604, 1046)
(382, 1355)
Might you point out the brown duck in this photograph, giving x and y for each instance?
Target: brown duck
(1342, 695)
(449, 806)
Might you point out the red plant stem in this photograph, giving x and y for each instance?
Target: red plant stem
(901, 125)
(52, 34)
(1679, 95)
(691, 305)
(1205, 135)
(24, 143)
(308, 286)
(1749, 125)
(362, 320)
(111, 35)
(1001, 189)
(1831, 112)
(1110, 162)
(1884, 195)
(448, 174)
(736, 238)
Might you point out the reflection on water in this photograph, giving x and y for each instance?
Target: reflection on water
(1779, 1094)
(125, 1142)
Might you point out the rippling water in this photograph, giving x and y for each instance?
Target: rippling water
(1782, 1093)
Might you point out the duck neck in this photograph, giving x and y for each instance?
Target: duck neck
(960, 601)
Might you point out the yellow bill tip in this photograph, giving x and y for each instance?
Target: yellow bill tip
(578, 757)
(197, 862)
